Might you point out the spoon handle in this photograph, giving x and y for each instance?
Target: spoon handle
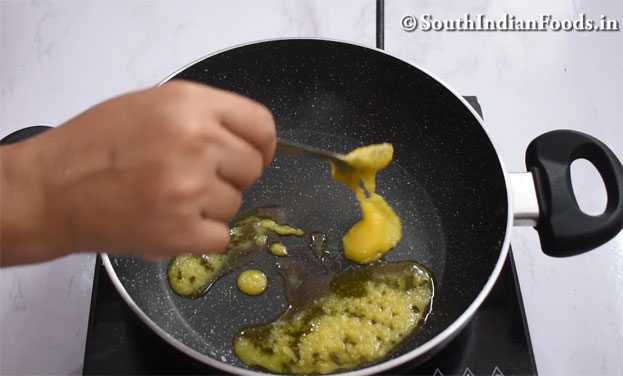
(291, 148)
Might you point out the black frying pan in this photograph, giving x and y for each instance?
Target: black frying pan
(446, 183)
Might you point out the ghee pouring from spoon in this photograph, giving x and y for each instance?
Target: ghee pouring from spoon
(379, 229)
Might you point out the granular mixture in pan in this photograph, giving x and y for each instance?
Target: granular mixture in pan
(348, 321)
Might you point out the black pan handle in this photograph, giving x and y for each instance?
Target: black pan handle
(563, 228)
(22, 134)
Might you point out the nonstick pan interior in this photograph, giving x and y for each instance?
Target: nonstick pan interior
(445, 183)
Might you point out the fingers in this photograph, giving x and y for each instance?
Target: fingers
(231, 140)
(221, 201)
(248, 120)
(207, 236)
(239, 163)
(244, 117)
(252, 122)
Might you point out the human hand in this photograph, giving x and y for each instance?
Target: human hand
(151, 173)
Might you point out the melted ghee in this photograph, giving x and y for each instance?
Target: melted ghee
(278, 249)
(252, 282)
(379, 229)
(269, 224)
(348, 321)
(191, 276)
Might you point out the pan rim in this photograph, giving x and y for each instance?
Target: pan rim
(419, 351)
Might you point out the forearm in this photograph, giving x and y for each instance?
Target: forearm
(151, 173)
(23, 235)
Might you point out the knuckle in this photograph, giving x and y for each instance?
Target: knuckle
(183, 187)
(179, 89)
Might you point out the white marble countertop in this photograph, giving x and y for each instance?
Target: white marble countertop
(60, 57)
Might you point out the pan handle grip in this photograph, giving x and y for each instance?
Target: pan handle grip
(22, 134)
(563, 228)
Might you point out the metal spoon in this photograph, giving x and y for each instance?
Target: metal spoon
(292, 148)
